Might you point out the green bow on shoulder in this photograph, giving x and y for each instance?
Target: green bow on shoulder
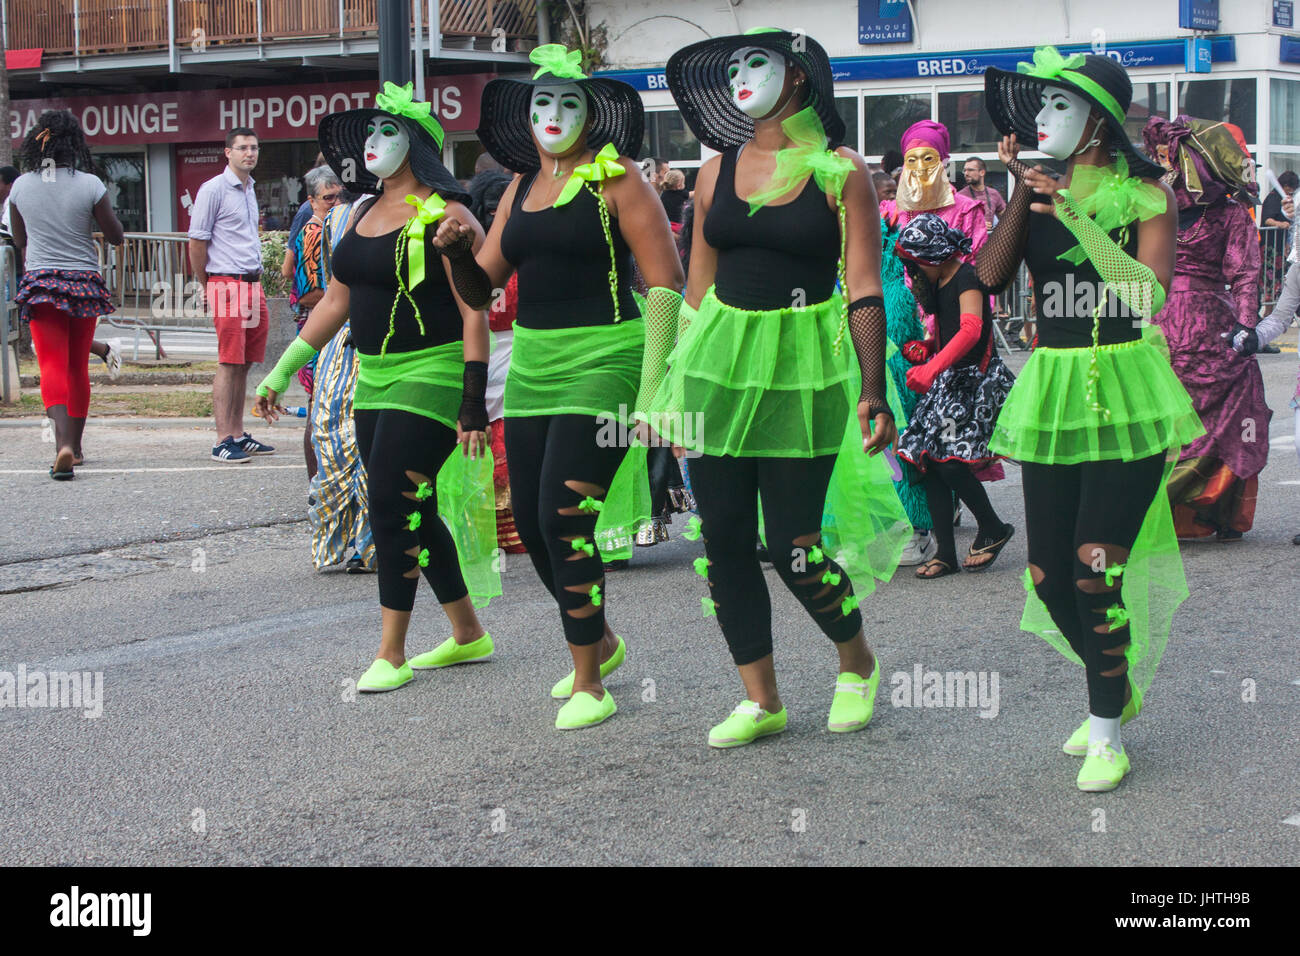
(1112, 198)
(558, 60)
(604, 166)
(401, 101)
(809, 156)
(426, 212)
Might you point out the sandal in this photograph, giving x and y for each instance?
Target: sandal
(994, 548)
(61, 470)
(945, 569)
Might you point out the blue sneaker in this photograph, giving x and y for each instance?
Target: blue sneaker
(254, 447)
(227, 450)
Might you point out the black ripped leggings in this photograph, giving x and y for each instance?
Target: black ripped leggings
(393, 442)
(793, 492)
(543, 453)
(1080, 520)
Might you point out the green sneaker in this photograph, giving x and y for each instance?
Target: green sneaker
(1103, 768)
(585, 711)
(746, 724)
(564, 689)
(854, 701)
(1077, 745)
(381, 676)
(449, 652)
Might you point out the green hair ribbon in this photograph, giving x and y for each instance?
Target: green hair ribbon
(692, 532)
(710, 607)
(413, 520)
(808, 156)
(400, 101)
(580, 544)
(1049, 65)
(559, 61)
(604, 166)
(701, 567)
(426, 213)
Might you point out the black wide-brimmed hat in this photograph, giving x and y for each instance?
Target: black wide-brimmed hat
(697, 77)
(1015, 99)
(342, 138)
(613, 108)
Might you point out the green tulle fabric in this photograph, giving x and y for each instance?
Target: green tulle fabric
(596, 371)
(1153, 585)
(1047, 418)
(426, 382)
(467, 506)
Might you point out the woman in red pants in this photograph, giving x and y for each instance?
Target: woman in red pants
(55, 208)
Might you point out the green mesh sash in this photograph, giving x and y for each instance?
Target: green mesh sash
(467, 506)
(426, 382)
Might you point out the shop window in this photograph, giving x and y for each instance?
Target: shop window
(885, 117)
(1149, 99)
(970, 129)
(123, 174)
(847, 107)
(278, 176)
(668, 137)
(1284, 112)
(1230, 100)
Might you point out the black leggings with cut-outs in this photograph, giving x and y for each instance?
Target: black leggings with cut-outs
(400, 450)
(1080, 520)
(556, 462)
(793, 492)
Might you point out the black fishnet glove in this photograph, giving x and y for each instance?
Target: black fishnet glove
(996, 263)
(473, 415)
(867, 326)
(472, 283)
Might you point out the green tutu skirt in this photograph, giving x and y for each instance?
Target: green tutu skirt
(770, 384)
(1046, 419)
(595, 371)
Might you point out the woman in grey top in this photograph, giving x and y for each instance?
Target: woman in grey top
(55, 208)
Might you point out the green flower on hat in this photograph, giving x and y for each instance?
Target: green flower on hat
(401, 101)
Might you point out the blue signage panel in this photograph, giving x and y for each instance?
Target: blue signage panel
(884, 21)
(1284, 14)
(1290, 52)
(1198, 55)
(1198, 14)
(974, 63)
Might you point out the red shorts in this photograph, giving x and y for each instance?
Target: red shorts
(241, 320)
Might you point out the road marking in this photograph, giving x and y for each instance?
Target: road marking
(1293, 820)
(1289, 482)
(141, 471)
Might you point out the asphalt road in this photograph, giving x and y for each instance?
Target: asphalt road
(229, 733)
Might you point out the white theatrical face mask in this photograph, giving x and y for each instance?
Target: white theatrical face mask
(559, 114)
(387, 145)
(757, 77)
(1061, 122)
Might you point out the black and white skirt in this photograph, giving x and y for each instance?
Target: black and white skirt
(953, 421)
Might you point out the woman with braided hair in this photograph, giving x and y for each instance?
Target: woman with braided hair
(786, 382)
(54, 208)
(1097, 416)
(421, 379)
(569, 227)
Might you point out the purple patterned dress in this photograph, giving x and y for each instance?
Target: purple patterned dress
(1213, 488)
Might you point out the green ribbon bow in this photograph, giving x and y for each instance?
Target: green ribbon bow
(808, 156)
(692, 532)
(701, 567)
(1112, 198)
(595, 595)
(580, 544)
(558, 60)
(831, 578)
(816, 555)
(423, 559)
(413, 520)
(710, 607)
(1112, 572)
(423, 490)
(400, 101)
(848, 604)
(604, 166)
(590, 505)
(1050, 65)
(426, 212)
(1117, 616)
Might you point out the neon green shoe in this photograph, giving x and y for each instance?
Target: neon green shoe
(449, 652)
(854, 701)
(1077, 745)
(746, 724)
(1103, 768)
(585, 711)
(381, 676)
(564, 689)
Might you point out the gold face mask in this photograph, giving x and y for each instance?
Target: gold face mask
(924, 182)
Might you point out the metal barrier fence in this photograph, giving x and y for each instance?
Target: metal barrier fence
(8, 316)
(1273, 249)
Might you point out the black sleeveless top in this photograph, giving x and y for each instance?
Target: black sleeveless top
(1067, 294)
(562, 260)
(367, 266)
(764, 258)
(948, 316)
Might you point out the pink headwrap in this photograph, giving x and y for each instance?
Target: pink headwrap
(926, 133)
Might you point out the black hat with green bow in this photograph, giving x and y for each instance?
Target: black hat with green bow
(613, 107)
(343, 136)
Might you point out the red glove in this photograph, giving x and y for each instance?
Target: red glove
(921, 377)
(916, 351)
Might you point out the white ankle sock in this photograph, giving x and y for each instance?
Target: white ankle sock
(1103, 728)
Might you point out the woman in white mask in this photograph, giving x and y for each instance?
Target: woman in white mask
(421, 380)
(782, 365)
(1097, 416)
(569, 226)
